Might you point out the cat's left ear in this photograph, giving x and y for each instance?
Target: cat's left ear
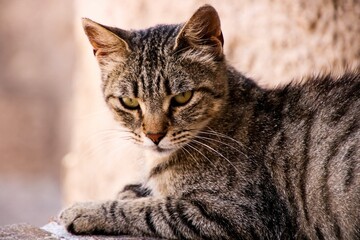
(202, 33)
(107, 42)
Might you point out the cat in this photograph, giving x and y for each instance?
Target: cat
(225, 158)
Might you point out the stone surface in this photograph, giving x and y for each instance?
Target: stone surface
(51, 231)
(59, 231)
(24, 231)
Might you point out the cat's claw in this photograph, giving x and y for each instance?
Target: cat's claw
(82, 218)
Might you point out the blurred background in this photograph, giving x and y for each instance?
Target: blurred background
(37, 56)
(54, 143)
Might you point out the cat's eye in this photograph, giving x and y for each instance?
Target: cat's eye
(182, 98)
(130, 103)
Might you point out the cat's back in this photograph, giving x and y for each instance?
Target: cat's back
(314, 153)
(326, 107)
(336, 97)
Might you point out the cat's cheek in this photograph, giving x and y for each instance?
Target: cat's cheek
(165, 143)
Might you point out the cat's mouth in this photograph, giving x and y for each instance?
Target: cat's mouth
(160, 150)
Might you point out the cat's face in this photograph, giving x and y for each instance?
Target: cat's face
(163, 85)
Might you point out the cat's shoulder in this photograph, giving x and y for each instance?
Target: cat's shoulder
(323, 91)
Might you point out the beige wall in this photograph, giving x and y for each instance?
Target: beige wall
(36, 64)
(273, 41)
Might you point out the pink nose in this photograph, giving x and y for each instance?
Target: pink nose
(155, 137)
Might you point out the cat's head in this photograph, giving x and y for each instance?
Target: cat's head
(166, 83)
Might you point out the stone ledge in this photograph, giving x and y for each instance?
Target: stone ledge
(24, 231)
(51, 231)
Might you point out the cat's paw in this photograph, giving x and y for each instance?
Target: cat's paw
(83, 218)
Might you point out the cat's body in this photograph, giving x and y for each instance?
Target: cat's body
(226, 158)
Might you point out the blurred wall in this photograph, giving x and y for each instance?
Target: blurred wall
(36, 65)
(273, 41)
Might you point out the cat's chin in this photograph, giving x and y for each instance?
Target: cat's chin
(160, 152)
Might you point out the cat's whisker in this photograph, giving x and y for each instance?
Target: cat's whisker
(225, 137)
(109, 132)
(99, 150)
(103, 146)
(223, 143)
(105, 133)
(221, 135)
(100, 143)
(215, 133)
(185, 151)
(197, 150)
(109, 156)
(217, 152)
(104, 138)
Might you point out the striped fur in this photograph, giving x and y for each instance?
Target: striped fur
(236, 161)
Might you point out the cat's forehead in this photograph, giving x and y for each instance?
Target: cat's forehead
(149, 62)
(154, 70)
(160, 37)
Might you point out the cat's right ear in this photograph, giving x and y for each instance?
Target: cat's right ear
(202, 33)
(106, 40)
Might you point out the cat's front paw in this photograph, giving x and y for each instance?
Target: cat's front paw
(83, 218)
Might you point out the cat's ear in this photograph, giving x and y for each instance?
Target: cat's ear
(202, 32)
(107, 42)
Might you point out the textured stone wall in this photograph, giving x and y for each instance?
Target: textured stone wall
(272, 41)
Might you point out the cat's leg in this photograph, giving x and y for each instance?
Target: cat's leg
(133, 191)
(159, 217)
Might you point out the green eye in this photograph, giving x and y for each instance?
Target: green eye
(182, 98)
(130, 103)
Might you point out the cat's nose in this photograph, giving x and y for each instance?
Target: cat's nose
(155, 137)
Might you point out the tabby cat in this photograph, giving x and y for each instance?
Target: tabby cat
(225, 158)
